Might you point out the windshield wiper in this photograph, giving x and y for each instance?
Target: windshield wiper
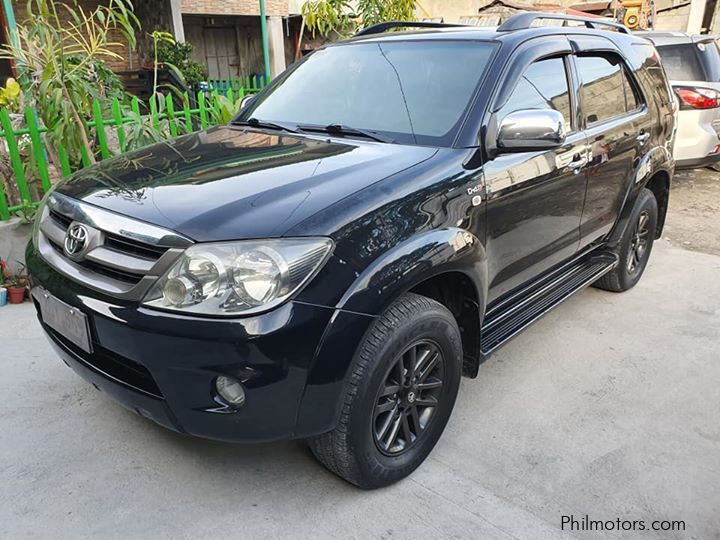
(339, 129)
(256, 122)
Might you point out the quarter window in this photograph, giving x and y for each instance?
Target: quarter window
(606, 91)
(544, 85)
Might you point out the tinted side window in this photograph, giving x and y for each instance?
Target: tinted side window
(651, 64)
(544, 85)
(604, 85)
(631, 100)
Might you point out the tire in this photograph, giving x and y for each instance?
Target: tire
(635, 246)
(361, 449)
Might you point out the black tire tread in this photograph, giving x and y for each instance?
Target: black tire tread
(613, 280)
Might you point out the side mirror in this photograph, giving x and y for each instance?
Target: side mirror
(246, 101)
(531, 129)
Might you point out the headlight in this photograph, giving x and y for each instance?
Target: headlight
(238, 278)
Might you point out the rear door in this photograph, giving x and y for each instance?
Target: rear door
(617, 124)
(535, 199)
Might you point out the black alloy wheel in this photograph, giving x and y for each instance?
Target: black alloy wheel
(407, 401)
(634, 247)
(638, 243)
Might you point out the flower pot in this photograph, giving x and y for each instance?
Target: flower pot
(16, 295)
(3, 296)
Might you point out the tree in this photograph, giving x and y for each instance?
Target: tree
(337, 18)
(58, 54)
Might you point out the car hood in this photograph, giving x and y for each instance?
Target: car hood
(230, 183)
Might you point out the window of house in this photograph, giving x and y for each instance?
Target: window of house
(606, 91)
(544, 85)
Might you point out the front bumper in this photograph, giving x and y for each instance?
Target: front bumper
(163, 366)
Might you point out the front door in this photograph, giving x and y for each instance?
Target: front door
(535, 199)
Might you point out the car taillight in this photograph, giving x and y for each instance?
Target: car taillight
(698, 98)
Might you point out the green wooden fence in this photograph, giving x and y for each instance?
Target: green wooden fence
(178, 120)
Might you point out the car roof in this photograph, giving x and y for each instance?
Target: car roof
(674, 38)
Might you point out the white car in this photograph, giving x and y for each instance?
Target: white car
(692, 64)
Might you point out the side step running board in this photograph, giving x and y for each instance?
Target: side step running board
(507, 319)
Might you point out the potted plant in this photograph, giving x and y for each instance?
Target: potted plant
(16, 284)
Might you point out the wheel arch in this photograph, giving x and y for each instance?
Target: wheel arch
(438, 263)
(653, 172)
(659, 184)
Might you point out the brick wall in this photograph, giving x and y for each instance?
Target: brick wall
(233, 7)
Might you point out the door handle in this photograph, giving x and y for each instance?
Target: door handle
(578, 162)
(642, 138)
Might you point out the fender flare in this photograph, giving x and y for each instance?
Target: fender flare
(395, 272)
(413, 261)
(657, 160)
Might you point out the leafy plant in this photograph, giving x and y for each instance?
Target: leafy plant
(179, 54)
(26, 213)
(10, 95)
(337, 17)
(224, 109)
(57, 54)
(329, 17)
(17, 278)
(143, 130)
(167, 38)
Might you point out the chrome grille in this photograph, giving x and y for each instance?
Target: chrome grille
(121, 257)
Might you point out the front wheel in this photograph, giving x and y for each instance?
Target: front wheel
(400, 394)
(635, 246)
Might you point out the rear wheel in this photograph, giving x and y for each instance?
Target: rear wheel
(635, 247)
(401, 392)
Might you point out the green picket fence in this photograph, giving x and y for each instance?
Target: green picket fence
(179, 122)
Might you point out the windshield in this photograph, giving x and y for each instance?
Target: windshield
(413, 92)
(691, 61)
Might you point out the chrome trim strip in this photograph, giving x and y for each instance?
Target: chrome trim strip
(97, 282)
(52, 231)
(120, 261)
(115, 223)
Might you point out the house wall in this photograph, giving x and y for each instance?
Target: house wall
(685, 16)
(455, 10)
(233, 7)
(228, 46)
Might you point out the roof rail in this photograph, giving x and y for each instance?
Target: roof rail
(522, 21)
(385, 26)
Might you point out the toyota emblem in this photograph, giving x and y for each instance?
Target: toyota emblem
(76, 239)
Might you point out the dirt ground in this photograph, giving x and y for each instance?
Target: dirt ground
(693, 220)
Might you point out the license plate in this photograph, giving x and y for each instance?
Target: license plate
(66, 320)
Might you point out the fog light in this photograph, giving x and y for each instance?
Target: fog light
(230, 390)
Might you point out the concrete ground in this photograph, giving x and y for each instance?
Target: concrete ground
(607, 407)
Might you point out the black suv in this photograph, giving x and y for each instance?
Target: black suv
(370, 227)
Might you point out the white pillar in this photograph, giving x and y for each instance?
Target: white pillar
(695, 18)
(178, 28)
(276, 43)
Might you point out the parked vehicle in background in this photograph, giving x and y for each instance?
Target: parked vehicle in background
(692, 63)
(371, 226)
